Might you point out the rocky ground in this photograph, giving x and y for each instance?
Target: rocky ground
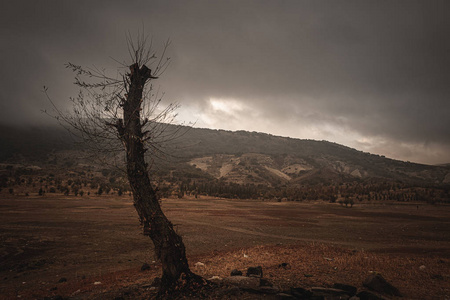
(91, 248)
(311, 269)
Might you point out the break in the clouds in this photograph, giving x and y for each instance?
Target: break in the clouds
(373, 75)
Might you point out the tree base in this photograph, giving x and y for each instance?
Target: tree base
(189, 284)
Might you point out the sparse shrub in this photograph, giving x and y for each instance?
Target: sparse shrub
(333, 199)
(351, 202)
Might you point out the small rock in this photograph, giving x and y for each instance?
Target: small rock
(199, 264)
(366, 295)
(268, 290)
(265, 282)
(351, 290)
(255, 272)
(284, 265)
(242, 282)
(233, 291)
(354, 298)
(235, 272)
(300, 293)
(145, 267)
(215, 279)
(245, 255)
(422, 268)
(97, 283)
(62, 279)
(377, 283)
(284, 296)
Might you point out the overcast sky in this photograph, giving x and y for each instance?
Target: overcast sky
(372, 75)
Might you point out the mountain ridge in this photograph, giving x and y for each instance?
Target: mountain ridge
(242, 157)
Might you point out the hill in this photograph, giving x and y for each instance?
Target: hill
(251, 157)
(243, 165)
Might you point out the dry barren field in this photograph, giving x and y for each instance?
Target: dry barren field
(98, 239)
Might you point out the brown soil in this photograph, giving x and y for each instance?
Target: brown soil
(98, 239)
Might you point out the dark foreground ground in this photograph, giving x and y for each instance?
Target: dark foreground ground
(98, 239)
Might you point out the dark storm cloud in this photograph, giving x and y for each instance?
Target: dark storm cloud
(374, 70)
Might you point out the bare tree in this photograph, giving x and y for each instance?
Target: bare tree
(122, 113)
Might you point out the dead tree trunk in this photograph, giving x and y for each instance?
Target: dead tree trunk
(168, 244)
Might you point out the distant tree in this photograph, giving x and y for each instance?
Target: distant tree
(121, 113)
(333, 199)
(107, 189)
(351, 202)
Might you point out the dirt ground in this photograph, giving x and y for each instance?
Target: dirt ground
(45, 239)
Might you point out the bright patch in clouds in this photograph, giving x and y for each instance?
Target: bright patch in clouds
(228, 106)
(224, 113)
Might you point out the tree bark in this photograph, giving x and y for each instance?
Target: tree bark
(168, 244)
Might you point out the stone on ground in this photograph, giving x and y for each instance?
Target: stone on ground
(377, 283)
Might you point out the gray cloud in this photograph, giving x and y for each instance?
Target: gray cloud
(362, 73)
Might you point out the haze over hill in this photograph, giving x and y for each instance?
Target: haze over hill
(239, 157)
